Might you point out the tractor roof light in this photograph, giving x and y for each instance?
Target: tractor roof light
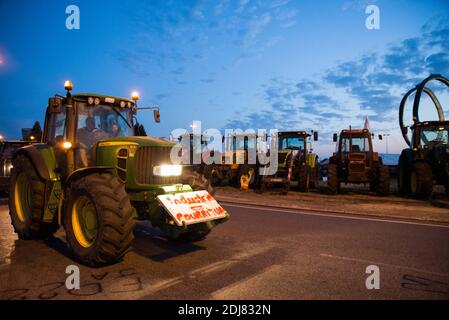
(66, 145)
(1, 137)
(135, 96)
(32, 138)
(68, 85)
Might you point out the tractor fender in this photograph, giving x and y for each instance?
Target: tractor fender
(75, 175)
(37, 159)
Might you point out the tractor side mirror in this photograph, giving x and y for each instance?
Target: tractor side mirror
(335, 137)
(55, 105)
(157, 116)
(315, 136)
(380, 137)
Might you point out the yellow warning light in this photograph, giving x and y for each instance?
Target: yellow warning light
(135, 95)
(68, 85)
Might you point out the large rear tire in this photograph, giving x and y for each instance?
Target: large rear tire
(382, 181)
(27, 201)
(421, 180)
(98, 219)
(333, 183)
(404, 176)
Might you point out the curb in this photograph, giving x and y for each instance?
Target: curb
(327, 211)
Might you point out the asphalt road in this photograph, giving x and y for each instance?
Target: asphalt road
(259, 253)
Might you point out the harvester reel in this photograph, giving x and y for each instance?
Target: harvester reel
(419, 89)
(432, 96)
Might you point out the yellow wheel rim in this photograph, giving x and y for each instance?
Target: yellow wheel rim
(22, 197)
(84, 221)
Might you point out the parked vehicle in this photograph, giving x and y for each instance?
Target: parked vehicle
(356, 162)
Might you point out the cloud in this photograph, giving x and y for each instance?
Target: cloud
(175, 35)
(372, 84)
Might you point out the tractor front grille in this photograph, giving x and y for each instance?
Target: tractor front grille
(357, 167)
(148, 157)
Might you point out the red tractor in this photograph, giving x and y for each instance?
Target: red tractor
(356, 162)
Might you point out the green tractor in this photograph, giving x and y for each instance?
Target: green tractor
(426, 161)
(295, 163)
(92, 175)
(356, 162)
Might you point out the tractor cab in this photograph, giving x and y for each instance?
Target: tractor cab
(354, 152)
(430, 134)
(291, 143)
(354, 161)
(237, 146)
(94, 118)
(295, 163)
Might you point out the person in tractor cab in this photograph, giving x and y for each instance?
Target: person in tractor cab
(86, 140)
(114, 129)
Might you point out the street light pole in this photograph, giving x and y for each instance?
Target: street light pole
(386, 135)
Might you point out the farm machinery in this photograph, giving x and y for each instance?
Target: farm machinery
(296, 163)
(356, 162)
(93, 175)
(426, 161)
(238, 163)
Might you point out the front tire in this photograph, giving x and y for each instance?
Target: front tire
(303, 179)
(27, 201)
(198, 181)
(333, 184)
(421, 180)
(98, 219)
(382, 181)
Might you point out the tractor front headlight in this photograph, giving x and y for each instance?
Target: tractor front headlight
(167, 170)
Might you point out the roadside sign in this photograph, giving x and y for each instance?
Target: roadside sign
(192, 207)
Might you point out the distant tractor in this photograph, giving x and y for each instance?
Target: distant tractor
(426, 161)
(236, 162)
(7, 150)
(356, 162)
(296, 163)
(192, 173)
(93, 176)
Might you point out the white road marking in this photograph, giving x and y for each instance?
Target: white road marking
(377, 263)
(336, 215)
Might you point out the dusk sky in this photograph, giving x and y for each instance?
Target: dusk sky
(280, 64)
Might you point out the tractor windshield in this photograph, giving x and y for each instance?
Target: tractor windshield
(292, 142)
(99, 122)
(102, 122)
(434, 135)
(355, 143)
(244, 142)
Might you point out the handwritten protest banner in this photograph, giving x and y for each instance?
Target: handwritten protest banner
(192, 207)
